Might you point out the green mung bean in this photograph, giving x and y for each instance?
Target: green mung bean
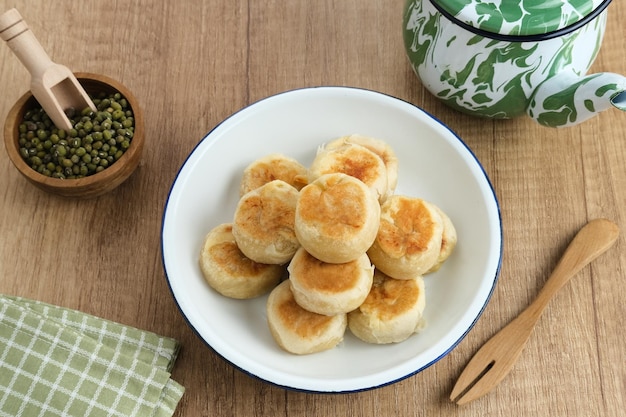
(96, 140)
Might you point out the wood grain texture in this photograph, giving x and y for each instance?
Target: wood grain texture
(190, 64)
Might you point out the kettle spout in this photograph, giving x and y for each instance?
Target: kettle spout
(567, 99)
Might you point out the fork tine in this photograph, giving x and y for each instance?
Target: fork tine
(488, 366)
(468, 379)
(487, 380)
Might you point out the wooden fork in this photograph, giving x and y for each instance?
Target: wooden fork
(494, 359)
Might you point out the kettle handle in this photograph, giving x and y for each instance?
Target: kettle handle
(567, 99)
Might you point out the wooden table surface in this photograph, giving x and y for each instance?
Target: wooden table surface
(191, 64)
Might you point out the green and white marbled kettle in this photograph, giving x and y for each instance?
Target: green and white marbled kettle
(506, 58)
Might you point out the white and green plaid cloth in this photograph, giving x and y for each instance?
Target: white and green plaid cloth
(60, 362)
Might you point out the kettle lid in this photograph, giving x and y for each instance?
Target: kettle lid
(522, 19)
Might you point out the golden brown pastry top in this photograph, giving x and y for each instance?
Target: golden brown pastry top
(334, 206)
(273, 167)
(300, 321)
(321, 276)
(354, 160)
(223, 255)
(271, 213)
(390, 297)
(409, 228)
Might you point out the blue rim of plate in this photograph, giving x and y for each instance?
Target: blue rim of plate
(391, 382)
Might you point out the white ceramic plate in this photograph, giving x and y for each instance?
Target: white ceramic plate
(434, 164)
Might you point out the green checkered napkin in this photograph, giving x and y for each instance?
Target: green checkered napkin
(60, 362)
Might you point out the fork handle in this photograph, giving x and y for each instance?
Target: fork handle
(590, 242)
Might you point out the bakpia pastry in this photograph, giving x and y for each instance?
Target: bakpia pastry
(300, 331)
(228, 271)
(332, 244)
(275, 166)
(326, 288)
(263, 225)
(408, 241)
(391, 312)
(448, 241)
(354, 160)
(380, 148)
(337, 218)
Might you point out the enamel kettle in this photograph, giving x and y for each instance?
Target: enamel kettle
(506, 58)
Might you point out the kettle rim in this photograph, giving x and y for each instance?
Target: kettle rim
(526, 37)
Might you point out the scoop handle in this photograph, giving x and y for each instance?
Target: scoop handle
(23, 43)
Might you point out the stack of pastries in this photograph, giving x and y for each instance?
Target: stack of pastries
(333, 245)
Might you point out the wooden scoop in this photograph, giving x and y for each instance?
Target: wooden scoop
(54, 86)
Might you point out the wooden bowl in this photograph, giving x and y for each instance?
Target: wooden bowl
(93, 185)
